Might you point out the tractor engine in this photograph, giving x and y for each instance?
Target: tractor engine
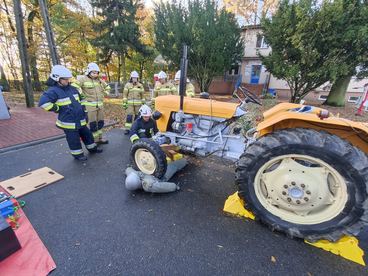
(204, 135)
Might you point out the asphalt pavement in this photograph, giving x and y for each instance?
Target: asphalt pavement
(92, 225)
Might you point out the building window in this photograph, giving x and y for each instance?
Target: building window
(261, 41)
(353, 99)
(322, 97)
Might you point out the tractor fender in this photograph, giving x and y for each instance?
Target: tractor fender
(284, 116)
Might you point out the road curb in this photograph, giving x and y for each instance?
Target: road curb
(32, 143)
(40, 141)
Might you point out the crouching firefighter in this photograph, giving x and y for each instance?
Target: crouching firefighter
(93, 89)
(133, 98)
(64, 99)
(145, 126)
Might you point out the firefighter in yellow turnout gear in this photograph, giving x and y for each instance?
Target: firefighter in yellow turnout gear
(94, 90)
(133, 98)
(189, 91)
(163, 87)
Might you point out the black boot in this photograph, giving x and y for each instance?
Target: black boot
(126, 131)
(80, 157)
(95, 150)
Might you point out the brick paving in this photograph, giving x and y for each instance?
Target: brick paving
(27, 125)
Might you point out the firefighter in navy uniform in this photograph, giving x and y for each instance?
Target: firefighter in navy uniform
(64, 99)
(144, 126)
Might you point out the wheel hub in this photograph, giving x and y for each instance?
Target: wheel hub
(301, 189)
(296, 192)
(145, 161)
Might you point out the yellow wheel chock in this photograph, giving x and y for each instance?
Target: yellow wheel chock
(347, 247)
(235, 206)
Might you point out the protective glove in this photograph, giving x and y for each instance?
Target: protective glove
(125, 105)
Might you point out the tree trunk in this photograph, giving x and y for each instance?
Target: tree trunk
(206, 85)
(336, 97)
(108, 72)
(119, 69)
(123, 65)
(32, 53)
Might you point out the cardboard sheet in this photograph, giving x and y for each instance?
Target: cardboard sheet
(30, 181)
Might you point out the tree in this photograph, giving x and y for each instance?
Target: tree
(198, 25)
(73, 30)
(345, 26)
(298, 56)
(251, 10)
(117, 30)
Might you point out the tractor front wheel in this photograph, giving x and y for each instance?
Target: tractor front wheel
(147, 157)
(306, 183)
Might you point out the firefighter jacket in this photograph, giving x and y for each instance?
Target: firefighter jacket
(143, 129)
(66, 101)
(189, 91)
(133, 94)
(94, 90)
(164, 89)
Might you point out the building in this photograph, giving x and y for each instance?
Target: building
(257, 79)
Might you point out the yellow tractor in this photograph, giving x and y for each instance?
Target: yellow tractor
(301, 171)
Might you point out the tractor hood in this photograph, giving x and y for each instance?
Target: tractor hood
(171, 103)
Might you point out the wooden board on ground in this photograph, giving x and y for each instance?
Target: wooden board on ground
(30, 181)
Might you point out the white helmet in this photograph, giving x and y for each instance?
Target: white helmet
(59, 71)
(162, 75)
(134, 74)
(92, 67)
(177, 75)
(145, 110)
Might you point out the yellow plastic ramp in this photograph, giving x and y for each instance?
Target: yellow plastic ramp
(347, 247)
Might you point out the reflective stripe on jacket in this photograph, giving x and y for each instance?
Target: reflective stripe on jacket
(164, 89)
(64, 100)
(93, 91)
(189, 90)
(133, 94)
(143, 129)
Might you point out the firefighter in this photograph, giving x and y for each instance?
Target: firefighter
(189, 91)
(144, 126)
(163, 87)
(94, 89)
(64, 99)
(133, 98)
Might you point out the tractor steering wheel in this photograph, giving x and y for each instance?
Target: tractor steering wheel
(250, 97)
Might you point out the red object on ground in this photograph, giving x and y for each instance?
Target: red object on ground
(33, 258)
(27, 125)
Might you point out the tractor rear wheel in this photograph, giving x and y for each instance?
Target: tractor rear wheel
(306, 183)
(148, 157)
